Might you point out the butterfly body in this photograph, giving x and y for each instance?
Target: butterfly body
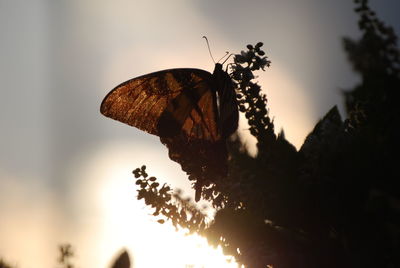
(191, 110)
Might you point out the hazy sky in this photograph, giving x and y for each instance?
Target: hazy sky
(65, 169)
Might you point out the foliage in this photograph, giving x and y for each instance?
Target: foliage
(66, 253)
(333, 203)
(122, 261)
(168, 204)
(64, 258)
(3, 264)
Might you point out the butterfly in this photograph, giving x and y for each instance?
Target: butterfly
(191, 110)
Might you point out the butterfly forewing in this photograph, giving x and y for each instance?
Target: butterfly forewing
(165, 102)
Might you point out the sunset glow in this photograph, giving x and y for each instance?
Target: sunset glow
(128, 223)
(66, 170)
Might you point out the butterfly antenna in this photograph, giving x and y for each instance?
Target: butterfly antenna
(209, 50)
(226, 53)
(226, 58)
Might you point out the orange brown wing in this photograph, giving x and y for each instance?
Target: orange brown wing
(166, 103)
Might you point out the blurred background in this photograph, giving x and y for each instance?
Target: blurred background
(65, 170)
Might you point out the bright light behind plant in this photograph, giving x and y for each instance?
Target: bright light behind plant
(128, 223)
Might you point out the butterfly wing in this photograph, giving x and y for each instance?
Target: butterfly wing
(180, 106)
(167, 102)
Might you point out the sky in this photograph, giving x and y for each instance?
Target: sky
(65, 170)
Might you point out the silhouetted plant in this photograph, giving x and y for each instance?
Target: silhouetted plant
(333, 203)
(3, 264)
(123, 260)
(66, 253)
(168, 204)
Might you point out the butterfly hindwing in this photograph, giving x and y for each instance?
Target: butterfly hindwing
(193, 112)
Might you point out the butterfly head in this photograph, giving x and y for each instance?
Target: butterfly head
(217, 68)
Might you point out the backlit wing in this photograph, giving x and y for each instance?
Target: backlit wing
(180, 106)
(167, 103)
